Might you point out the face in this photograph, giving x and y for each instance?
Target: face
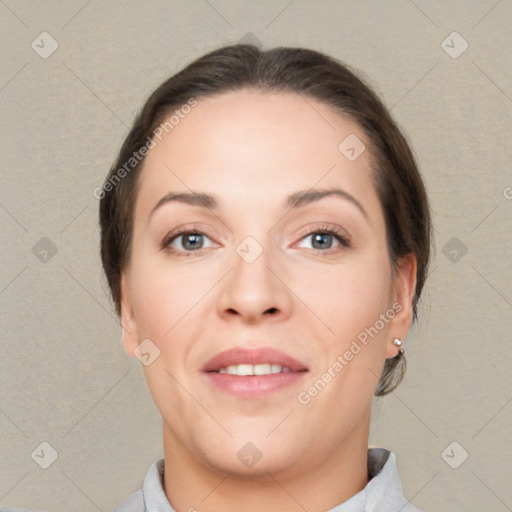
(271, 307)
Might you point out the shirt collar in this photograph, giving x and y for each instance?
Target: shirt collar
(383, 493)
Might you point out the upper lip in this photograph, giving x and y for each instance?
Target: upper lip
(240, 355)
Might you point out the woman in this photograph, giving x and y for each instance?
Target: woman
(265, 234)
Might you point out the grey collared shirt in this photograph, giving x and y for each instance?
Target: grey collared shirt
(383, 493)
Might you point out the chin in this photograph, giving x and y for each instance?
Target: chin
(253, 452)
(248, 461)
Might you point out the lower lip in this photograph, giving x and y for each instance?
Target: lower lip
(253, 386)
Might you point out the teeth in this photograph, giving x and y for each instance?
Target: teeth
(262, 369)
(241, 369)
(254, 369)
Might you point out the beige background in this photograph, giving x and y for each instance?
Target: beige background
(65, 378)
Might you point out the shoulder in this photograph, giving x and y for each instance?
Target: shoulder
(409, 508)
(14, 509)
(135, 503)
(151, 496)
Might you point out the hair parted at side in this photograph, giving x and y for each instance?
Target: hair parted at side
(311, 74)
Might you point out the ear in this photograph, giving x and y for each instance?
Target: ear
(405, 287)
(129, 327)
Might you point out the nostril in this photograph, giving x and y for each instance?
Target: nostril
(271, 310)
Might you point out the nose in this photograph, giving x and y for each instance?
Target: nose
(255, 291)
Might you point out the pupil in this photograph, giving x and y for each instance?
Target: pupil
(321, 238)
(192, 241)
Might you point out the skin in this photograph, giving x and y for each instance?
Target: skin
(251, 150)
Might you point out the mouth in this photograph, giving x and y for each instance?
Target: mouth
(250, 373)
(254, 369)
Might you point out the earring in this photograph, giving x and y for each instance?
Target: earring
(398, 342)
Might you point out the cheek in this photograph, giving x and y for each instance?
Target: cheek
(165, 301)
(348, 298)
(170, 302)
(153, 302)
(350, 301)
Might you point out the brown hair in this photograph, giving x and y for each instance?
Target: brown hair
(308, 73)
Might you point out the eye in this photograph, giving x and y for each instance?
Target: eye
(324, 239)
(186, 241)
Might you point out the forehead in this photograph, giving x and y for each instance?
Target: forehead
(249, 145)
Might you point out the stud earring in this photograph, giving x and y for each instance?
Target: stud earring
(398, 342)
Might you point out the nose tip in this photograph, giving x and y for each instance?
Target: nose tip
(252, 292)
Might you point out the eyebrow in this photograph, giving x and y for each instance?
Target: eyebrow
(304, 197)
(296, 200)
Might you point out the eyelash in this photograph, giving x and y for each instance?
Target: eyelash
(189, 230)
(324, 230)
(344, 240)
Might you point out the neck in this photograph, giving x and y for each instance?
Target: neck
(191, 485)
